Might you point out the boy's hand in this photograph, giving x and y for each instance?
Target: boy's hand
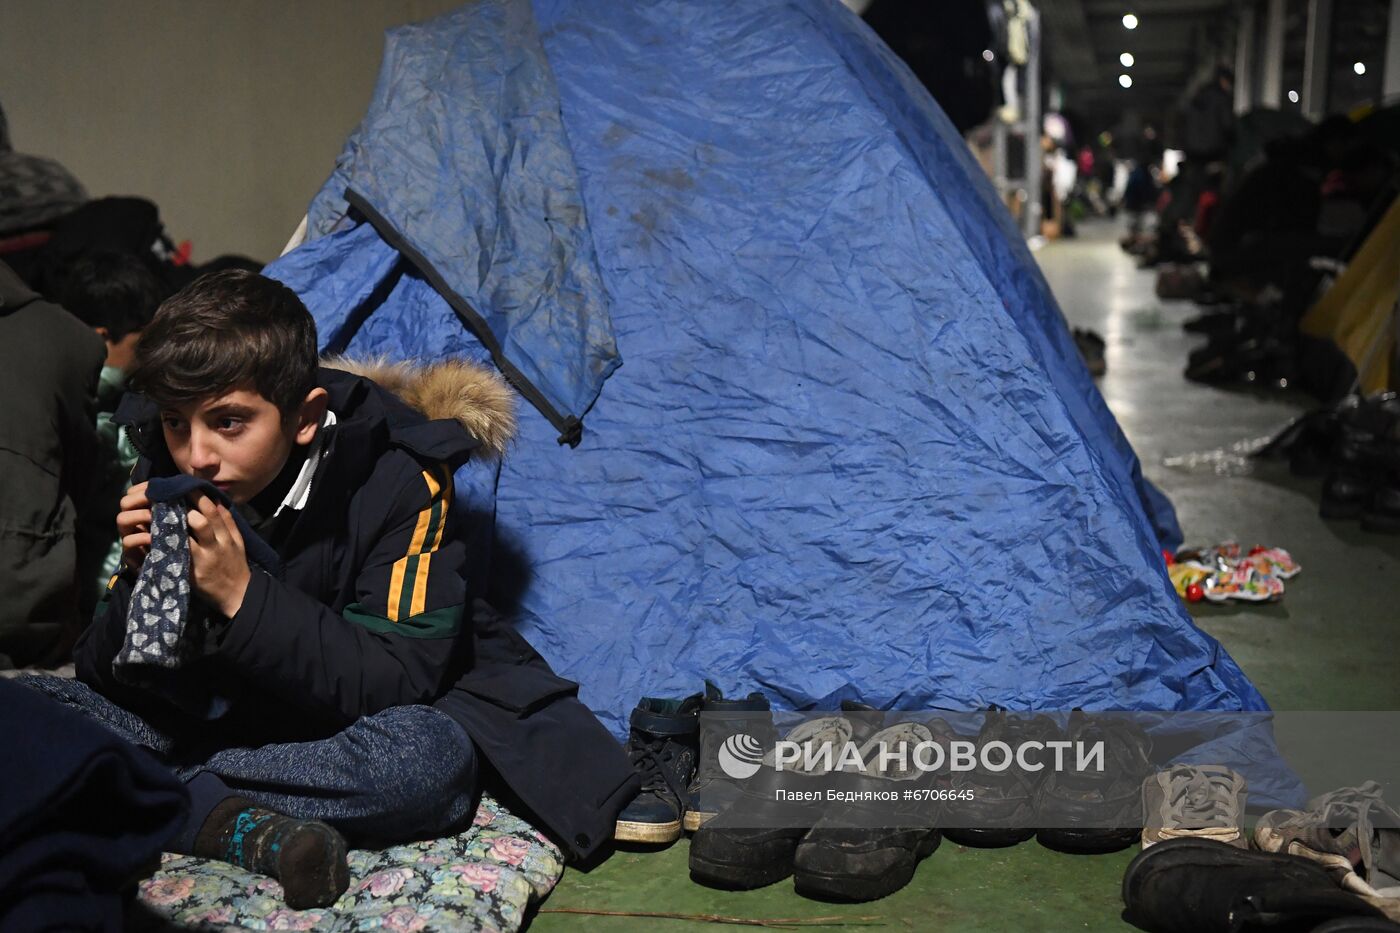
(134, 526)
(219, 564)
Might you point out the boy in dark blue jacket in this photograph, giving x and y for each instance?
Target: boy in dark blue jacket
(317, 669)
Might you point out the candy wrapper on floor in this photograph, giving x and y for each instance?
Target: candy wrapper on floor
(1225, 572)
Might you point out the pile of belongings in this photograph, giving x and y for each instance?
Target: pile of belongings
(1355, 446)
(1226, 572)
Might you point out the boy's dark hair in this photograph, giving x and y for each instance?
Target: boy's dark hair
(223, 331)
(117, 291)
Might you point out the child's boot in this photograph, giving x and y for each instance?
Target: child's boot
(663, 745)
(306, 856)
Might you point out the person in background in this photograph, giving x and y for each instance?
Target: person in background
(115, 294)
(1208, 131)
(49, 365)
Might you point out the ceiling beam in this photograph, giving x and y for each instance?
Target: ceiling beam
(1114, 9)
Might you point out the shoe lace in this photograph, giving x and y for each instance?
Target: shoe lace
(907, 734)
(654, 759)
(812, 735)
(1200, 797)
(1360, 807)
(1126, 743)
(1014, 731)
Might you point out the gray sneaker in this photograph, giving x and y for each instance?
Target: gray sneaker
(1195, 801)
(1351, 832)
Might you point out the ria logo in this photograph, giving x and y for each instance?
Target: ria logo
(740, 756)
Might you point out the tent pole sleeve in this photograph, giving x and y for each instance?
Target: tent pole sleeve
(569, 427)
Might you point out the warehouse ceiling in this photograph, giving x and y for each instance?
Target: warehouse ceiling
(1175, 42)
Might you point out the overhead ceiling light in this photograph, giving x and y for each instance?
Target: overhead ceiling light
(987, 55)
(1127, 59)
(1129, 21)
(1359, 68)
(1293, 97)
(1125, 80)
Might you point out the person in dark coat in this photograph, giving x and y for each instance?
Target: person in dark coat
(346, 681)
(1208, 131)
(49, 365)
(115, 294)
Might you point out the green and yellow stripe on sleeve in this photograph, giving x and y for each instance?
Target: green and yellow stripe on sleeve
(408, 580)
(422, 600)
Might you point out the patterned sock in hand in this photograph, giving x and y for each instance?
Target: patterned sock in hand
(306, 856)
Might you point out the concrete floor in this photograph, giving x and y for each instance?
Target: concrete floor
(1330, 645)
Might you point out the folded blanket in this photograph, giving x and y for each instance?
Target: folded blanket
(83, 814)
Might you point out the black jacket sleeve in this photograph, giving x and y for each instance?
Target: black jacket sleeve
(396, 644)
(102, 639)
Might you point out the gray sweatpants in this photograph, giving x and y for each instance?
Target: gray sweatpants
(402, 774)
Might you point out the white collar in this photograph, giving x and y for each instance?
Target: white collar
(301, 489)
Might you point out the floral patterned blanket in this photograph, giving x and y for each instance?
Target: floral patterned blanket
(486, 878)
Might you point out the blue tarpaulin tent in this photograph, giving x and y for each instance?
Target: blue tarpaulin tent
(801, 413)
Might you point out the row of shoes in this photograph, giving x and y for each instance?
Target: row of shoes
(1249, 346)
(1355, 447)
(747, 836)
(1331, 867)
(1180, 282)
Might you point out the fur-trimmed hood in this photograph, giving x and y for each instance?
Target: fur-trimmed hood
(476, 397)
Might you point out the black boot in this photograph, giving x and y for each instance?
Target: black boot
(753, 842)
(1382, 513)
(747, 726)
(869, 847)
(1359, 457)
(991, 809)
(663, 745)
(1200, 886)
(1096, 810)
(306, 856)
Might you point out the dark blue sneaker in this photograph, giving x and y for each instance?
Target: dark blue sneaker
(663, 745)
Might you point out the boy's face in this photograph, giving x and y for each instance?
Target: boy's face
(238, 440)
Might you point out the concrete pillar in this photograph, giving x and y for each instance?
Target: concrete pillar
(1317, 58)
(1271, 79)
(1034, 157)
(1244, 60)
(1391, 83)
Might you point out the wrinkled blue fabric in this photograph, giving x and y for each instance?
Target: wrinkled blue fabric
(991, 236)
(463, 157)
(852, 452)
